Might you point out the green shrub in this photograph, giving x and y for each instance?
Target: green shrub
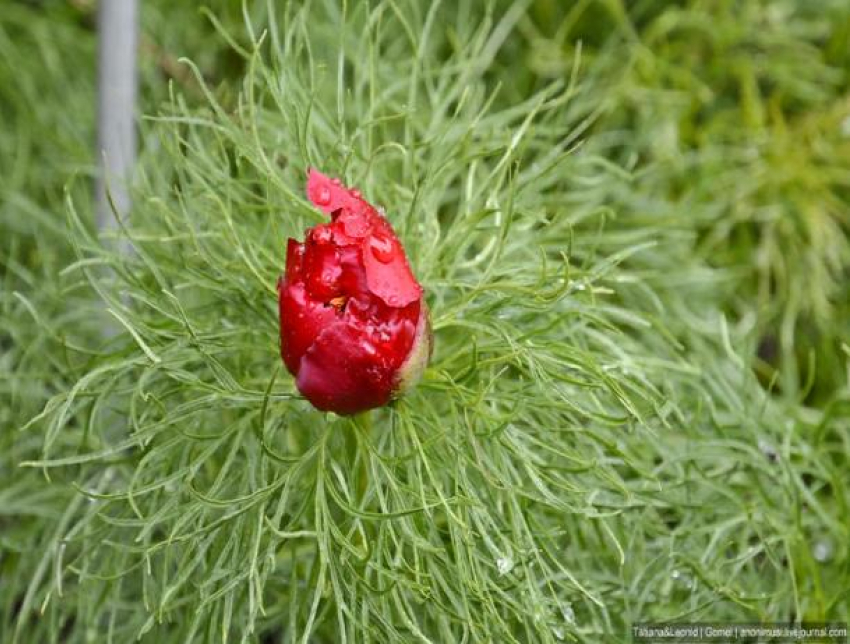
(590, 446)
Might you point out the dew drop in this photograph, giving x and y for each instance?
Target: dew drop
(768, 450)
(323, 235)
(383, 248)
(822, 550)
(356, 194)
(324, 197)
(504, 565)
(336, 181)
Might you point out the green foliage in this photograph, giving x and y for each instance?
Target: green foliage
(46, 136)
(591, 445)
(736, 112)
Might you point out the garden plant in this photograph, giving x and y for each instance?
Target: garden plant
(626, 231)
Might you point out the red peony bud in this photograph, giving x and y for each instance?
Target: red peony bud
(354, 327)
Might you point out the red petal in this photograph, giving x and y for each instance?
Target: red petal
(343, 372)
(329, 196)
(358, 223)
(388, 274)
(418, 356)
(294, 255)
(321, 267)
(301, 317)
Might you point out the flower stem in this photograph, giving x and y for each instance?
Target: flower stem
(362, 423)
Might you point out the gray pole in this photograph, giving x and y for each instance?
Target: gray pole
(116, 120)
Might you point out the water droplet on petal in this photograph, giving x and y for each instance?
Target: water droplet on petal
(383, 248)
(356, 194)
(323, 198)
(336, 181)
(323, 235)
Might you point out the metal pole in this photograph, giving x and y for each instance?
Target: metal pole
(116, 121)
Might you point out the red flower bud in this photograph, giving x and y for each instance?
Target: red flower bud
(354, 327)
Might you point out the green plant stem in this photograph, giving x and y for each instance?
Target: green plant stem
(362, 430)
